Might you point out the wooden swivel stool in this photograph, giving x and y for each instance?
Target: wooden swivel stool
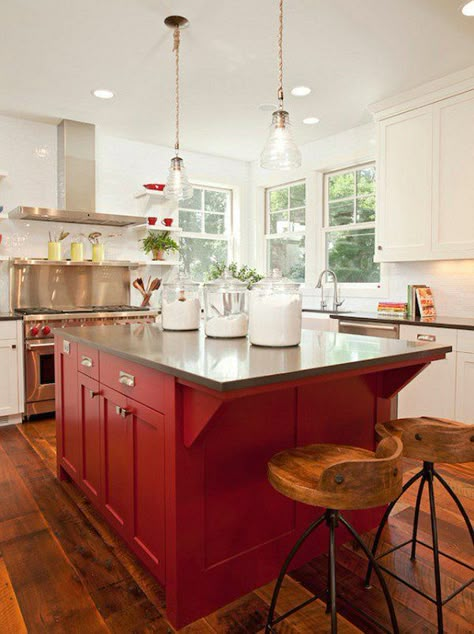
(431, 440)
(336, 478)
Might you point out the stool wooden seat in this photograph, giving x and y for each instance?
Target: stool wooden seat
(430, 440)
(338, 478)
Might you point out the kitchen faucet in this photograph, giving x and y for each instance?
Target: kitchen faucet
(336, 301)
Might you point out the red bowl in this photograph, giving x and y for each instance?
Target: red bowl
(157, 187)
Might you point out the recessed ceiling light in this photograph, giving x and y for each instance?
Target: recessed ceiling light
(267, 107)
(103, 93)
(468, 9)
(300, 91)
(311, 120)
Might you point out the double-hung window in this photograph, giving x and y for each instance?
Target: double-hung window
(349, 224)
(285, 229)
(206, 221)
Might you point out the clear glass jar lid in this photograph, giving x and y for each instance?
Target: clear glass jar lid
(182, 283)
(226, 282)
(275, 281)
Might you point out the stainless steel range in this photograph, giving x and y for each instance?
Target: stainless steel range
(53, 296)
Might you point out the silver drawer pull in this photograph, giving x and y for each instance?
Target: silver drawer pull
(121, 411)
(86, 362)
(426, 337)
(93, 394)
(126, 379)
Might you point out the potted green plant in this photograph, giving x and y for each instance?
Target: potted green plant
(158, 243)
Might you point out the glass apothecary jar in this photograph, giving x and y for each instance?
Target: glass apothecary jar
(226, 307)
(180, 305)
(275, 305)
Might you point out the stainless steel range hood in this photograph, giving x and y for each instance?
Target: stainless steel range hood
(76, 183)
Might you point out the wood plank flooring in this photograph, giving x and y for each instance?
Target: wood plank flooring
(63, 570)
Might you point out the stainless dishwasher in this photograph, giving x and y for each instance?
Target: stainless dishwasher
(370, 329)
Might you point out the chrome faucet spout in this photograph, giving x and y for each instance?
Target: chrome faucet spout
(320, 284)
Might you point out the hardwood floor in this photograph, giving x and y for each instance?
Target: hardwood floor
(63, 570)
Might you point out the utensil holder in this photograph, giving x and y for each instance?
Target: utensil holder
(98, 253)
(77, 252)
(54, 251)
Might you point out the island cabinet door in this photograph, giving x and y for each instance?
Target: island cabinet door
(67, 419)
(117, 455)
(148, 525)
(89, 420)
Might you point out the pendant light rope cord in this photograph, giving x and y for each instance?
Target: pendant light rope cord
(280, 56)
(176, 42)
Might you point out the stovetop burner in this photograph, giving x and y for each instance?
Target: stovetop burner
(41, 310)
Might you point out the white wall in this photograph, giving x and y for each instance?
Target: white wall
(28, 152)
(452, 281)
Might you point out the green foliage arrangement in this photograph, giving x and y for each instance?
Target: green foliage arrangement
(156, 241)
(244, 273)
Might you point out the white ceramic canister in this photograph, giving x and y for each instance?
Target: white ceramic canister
(275, 305)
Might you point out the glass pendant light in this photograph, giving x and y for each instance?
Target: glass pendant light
(280, 151)
(177, 186)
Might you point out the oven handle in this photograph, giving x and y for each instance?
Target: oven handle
(33, 346)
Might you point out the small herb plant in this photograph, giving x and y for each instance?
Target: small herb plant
(244, 273)
(159, 243)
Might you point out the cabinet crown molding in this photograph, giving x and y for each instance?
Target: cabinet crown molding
(428, 93)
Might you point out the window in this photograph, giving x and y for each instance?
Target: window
(349, 224)
(285, 229)
(206, 223)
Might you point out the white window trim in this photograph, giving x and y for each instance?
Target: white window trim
(284, 234)
(354, 289)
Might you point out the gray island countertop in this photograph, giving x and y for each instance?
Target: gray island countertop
(231, 364)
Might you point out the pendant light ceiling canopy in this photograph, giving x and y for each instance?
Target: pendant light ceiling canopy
(280, 151)
(177, 186)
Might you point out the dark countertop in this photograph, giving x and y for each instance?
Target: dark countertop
(230, 364)
(10, 317)
(440, 321)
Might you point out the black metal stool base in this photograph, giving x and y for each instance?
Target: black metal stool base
(427, 475)
(332, 518)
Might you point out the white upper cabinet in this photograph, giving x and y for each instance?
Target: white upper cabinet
(453, 177)
(404, 186)
(425, 183)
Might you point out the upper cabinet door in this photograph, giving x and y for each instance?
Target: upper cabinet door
(453, 177)
(404, 186)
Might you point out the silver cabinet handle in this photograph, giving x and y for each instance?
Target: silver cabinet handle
(126, 379)
(86, 362)
(426, 337)
(121, 411)
(93, 394)
(364, 324)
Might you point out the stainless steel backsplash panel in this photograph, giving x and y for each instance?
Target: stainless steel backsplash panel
(55, 286)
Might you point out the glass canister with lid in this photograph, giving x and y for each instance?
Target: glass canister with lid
(275, 305)
(180, 305)
(226, 307)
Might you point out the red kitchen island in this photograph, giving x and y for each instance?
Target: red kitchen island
(169, 434)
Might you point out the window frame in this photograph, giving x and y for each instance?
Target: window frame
(285, 234)
(228, 235)
(327, 228)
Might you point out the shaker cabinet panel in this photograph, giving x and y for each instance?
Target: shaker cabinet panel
(432, 392)
(465, 387)
(89, 416)
(404, 186)
(453, 185)
(9, 385)
(69, 440)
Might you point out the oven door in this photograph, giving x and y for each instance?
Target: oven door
(39, 370)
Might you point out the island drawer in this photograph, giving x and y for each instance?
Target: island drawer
(88, 361)
(136, 381)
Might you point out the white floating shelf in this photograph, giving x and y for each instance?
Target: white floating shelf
(158, 228)
(150, 192)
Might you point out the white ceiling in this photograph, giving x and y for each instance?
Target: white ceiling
(350, 52)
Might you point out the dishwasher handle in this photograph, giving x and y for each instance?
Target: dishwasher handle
(351, 324)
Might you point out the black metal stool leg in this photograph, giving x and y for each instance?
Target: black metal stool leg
(458, 504)
(378, 572)
(332, 521)
(384, 521)
(437, 571)
(288, 560)
(417, 515)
